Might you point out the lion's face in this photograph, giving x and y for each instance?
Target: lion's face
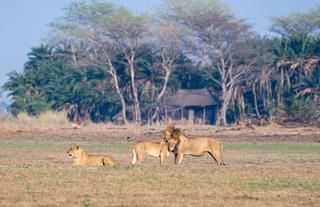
(171, 133)
(167, 136)
(172, 144)
(167, 133)
(73, 151)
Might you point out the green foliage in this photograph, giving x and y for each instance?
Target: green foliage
(188, 76)
(50, 82)
(25, 98)
(296, 22)
(301, 110)
(284, 71)
(309, 86)
(32, 105)
(294, 46)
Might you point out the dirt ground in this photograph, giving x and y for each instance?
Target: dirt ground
(266, 166)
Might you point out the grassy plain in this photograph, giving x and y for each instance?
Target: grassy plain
(265, 167)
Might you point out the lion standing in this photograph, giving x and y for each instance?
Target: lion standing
(155, 149)
(194, 146)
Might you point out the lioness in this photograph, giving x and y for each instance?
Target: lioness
(155, 149)
(82, 158)
(194, 146)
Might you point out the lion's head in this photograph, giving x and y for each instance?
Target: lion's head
(74, 151)
(176, 134)
(171, 136)
(171, 133)
(166, 133)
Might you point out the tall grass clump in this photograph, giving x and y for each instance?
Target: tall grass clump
(49, 119)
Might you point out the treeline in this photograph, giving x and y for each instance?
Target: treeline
(102, 62)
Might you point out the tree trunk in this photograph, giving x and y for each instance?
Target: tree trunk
(163, 90)
(73, 51)
(134, 90)
(123, 103)
(225, 95)
(225, 104)
(242, 105)
(269, 93)
(280, 89)
(223, 112)
(255, 99)
(164, 87)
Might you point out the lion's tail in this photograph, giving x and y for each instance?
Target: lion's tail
(134, 156)
(221, 153)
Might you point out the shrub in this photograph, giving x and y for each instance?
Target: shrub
(32, 105)
(303, 111)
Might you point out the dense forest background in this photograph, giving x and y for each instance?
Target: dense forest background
(103, 63)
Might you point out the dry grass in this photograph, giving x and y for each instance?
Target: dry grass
(24, 122)
(36, 171)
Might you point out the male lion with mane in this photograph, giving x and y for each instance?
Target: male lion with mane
(82, 158)
(193, 146)
(155, 149)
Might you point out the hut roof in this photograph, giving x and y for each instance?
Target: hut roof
(190, 97)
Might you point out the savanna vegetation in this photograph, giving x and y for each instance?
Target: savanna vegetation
(104, 63)
(266, 166)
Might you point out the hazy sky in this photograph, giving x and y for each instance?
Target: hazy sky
(23, 23)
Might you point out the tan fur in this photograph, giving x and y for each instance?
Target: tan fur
(155, 149)
(194, 146)
(82, 158)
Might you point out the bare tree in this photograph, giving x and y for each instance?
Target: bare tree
(297, 22)
(213, 36)
(83, 31)
(167, 37)
(128, 32)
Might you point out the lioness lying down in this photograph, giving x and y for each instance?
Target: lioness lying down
(193, 146)
(82, 158)
(155, 149)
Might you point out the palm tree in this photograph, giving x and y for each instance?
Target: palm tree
(297, 59)
(309, 86)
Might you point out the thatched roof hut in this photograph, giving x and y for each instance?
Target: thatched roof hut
(191, 101)
(190, 97)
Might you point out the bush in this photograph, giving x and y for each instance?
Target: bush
(303, 111)
(34, 105)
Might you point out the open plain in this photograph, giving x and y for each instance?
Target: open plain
(266, 166)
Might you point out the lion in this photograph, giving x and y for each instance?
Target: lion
(82, 158)
(155, 149)
(193, 146)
